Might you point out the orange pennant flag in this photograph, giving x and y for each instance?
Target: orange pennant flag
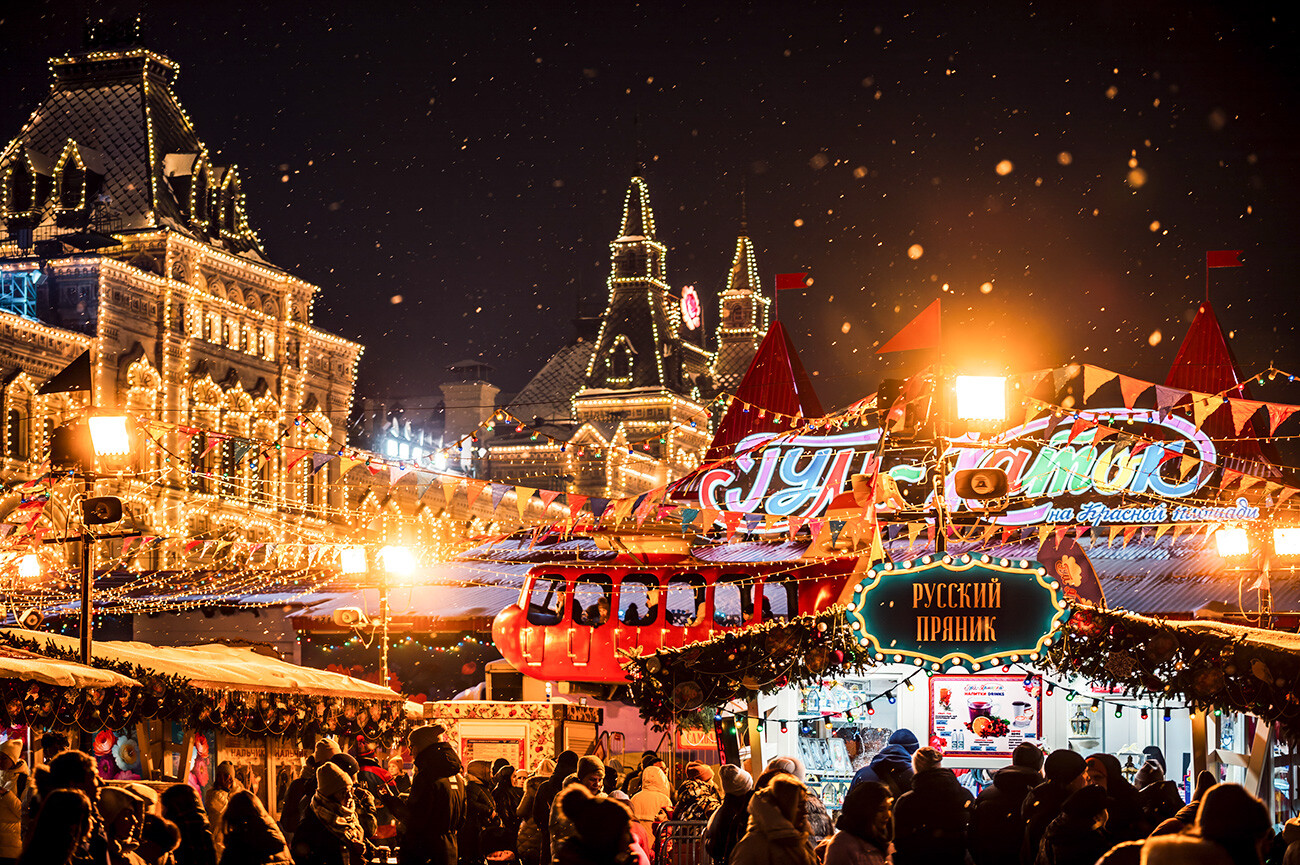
(921, 332)
(1279, 413)
(1132, 388)
(1093, 378)
(522, 497)
(1204, 405)
(1242, 410)
(472, 491)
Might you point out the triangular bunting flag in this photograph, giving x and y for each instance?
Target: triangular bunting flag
(688, 516)
(319, 461)
(575, 504)
(1204, 405)
(597, 506)
(1060, 376)
(1114, 531)
(1167, 398)
(449, 487)
(473, 489)
(1131, 389)
(1128, 534)
(1160, 530)
(498, 493)
(1242, 410)
(1287, 492)
(293, 456)
(1279, 413)
(522, 496)
(396, 473)
(1093, 378)
(547, 496)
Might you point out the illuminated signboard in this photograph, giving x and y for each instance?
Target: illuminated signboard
(1053, 481)
(970, 610)
(690, 307)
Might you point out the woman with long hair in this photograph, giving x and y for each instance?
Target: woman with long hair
(62, 828)
(181, 805)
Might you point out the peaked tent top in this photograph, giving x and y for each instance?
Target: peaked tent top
(777, 384)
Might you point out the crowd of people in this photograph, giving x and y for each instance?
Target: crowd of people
(904, 807)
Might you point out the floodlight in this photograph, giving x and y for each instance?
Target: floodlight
(1232, 542)
(981, 397)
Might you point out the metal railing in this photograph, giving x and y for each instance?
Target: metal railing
(680, 842)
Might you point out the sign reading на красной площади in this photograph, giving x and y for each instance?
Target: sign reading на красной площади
(944, 610)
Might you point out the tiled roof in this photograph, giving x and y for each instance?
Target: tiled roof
(548, 394)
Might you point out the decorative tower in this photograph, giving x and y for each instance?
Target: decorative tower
(742, 317)
(640, 405)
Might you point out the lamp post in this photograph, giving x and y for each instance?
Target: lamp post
(393, 561)
(1237, 544)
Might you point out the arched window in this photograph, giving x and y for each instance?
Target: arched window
(780, 599)
(621, 357)
(20, 188)
(71, 179)
(546, 601)
(591, 599)
(143, 388)
(205, 415)
(16, 434)
(266, 430)
(733, 600)
(685, 600)
(199, 193)
(638, 600)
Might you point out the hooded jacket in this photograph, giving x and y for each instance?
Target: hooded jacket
(1070, 840)
(727, 826)
(892, 766)
(771, 839)
(997, 826)
(1039, 809)
(931, 819)
(435, 810)
(1127, 821)
(1291, 835)
(652, 802)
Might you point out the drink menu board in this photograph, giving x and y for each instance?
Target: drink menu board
(985, 716)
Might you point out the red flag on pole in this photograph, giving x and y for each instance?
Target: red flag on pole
(791, 280)
(1223, 258)
(921, 332)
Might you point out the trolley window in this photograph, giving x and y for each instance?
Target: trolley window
(780, 599)
(546, 601)
(638, 599)
(591, 598)
(685, 600)
(733, 599)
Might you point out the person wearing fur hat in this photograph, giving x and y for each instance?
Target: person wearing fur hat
(1065, 774)
(653, 802)
(697, 796)
(601, 829)
(435, 810)
(362, 799)
(777, 833)
(866, 825)
(727, 825)
(302, 788)
(1077, 836)
(996, 824)
(181, 805)
(158, 838)
(931, 820)
(330, 833)
(252, 838)
(1160, 799)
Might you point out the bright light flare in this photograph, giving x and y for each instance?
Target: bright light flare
(109, 436)
(981, 397)
(353, 560)
(29, 566)
(397, 561)
(1286, 542)
(1232, 542)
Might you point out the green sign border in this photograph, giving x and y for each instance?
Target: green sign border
(956, 565)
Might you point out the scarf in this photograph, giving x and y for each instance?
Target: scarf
(341, 820)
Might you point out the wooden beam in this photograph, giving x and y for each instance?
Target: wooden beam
(144, 741)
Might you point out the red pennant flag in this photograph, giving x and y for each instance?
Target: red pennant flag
(1223, 258)
(921, 332)
(1242, 410)
(1279, 413)
(791, 280)
(547, 496)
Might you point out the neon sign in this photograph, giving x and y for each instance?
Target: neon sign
(690, 307)
(944, 610)
(1054, 481)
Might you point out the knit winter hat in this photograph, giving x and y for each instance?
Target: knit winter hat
(1063, 766)
(423, 737)
(13, 749)
(735, 780)
(347, 763)
(926, 758)
(602, 824)
(1086, 802)
(1150, 773)
(780, 764)
(325, 749)
(332, 780)
(1027, 756)
(1230, 814)
(589, 765)
(698, 771)
(113, 800)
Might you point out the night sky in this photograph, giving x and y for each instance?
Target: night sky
(1058, 169)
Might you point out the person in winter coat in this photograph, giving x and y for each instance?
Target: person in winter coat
(565, 765)
(892, 766)
(820, 825)
(591, 775)
(302, 788)
(1126, 822)
(652, 803)
(224, 785)
(602, 832)
(1077, 836)
(727, 825)
(364, 803)
(480, 812)
(507, 796)
(632, 783)
(1236, 821)
(158, 838)
(252, 838)
(1183, 850)
(397, 770)
(375, 779)
(123, 815)
(182, 806)
(1291, 835)
(529, 846)
(11, 825)
(52, 745)
(866, 825)
(931, 819)
(330, 833)
(435, 810)
(62, 828)
(1160, 798)
(777, 832)
(1065, 774)
(77, 770)
(14, 773)
(697, 796)
(997, 828)
(640, 838)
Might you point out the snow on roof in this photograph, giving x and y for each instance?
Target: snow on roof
(31, 667)
(227, 667)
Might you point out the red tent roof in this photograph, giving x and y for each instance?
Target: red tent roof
(777, 384)
(1205, 364)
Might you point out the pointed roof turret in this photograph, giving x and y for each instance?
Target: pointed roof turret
(638, 217)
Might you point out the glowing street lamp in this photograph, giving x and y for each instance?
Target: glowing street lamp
(29, 566)
(1232, 542)
(981, 397)
(109, 436)
(393, 561)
